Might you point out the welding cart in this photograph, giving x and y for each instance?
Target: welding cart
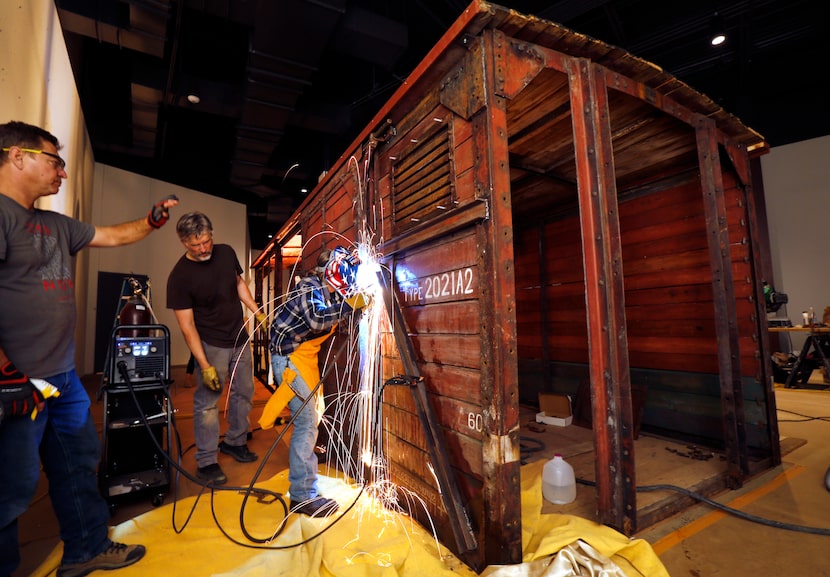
(136, 430)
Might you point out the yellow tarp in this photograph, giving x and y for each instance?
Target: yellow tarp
(367, 541)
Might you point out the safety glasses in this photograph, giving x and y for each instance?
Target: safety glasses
(58, 162)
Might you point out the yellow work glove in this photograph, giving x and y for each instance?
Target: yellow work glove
(211, 380)
(261, 320)
(358, 301)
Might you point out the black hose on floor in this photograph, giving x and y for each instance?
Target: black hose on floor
(730, 510)
(528, 446)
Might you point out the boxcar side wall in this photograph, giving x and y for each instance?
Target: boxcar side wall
(436, 186)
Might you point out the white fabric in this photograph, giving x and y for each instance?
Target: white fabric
(577, 559)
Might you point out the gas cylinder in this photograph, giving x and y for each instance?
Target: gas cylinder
(135, 312)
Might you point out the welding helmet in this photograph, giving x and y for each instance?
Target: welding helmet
(340, 271)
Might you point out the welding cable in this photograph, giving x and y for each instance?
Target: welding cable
(726, 509)
(528, 446)
(741, 514)
(805, 419)
(261, 493)
(249, 490)
(246, 491)
(278, 531)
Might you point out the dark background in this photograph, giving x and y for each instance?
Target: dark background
(286, 85)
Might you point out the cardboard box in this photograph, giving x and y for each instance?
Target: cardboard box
(556, 421)
(555, 409)
(555, 405)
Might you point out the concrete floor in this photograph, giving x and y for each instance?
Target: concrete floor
(787, 536)
(792, 498)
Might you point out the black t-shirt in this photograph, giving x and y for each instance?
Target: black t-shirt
(209, 288)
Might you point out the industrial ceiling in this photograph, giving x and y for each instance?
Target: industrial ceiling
(284, 86)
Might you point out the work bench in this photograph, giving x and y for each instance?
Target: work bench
(818, 339)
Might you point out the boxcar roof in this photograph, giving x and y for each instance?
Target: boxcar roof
(480, 15)
(557, 37)
(453, 46)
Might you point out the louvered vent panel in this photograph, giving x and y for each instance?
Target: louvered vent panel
(422, 180)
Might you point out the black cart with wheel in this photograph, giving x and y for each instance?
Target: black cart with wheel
(136, 430)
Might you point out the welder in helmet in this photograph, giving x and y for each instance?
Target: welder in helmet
(309, 316)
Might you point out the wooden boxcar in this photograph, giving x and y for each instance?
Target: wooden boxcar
(557, 215)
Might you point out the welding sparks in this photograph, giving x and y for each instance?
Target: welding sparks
(353, 424)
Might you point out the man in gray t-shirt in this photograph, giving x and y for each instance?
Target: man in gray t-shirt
(37, 287)
(37, 330)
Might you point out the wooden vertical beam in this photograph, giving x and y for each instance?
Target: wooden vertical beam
(726, 321)
(740, 160)
(499, 367)
(604, 296)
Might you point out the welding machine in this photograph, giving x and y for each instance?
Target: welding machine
(140, 359)
(136, 436)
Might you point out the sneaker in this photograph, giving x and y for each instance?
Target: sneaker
(212, 474)
(116, 556)
(240, 453)
(316, 507)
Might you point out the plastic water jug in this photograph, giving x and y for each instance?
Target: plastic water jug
(558, 481)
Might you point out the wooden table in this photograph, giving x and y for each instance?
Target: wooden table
(818, 339)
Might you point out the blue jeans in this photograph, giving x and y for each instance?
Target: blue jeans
(302, 461)
(65, 436)
(237, 362)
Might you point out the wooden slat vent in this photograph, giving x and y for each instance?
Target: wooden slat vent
(422, 179)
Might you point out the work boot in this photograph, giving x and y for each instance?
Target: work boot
(240, 453)
(316, 507)
(212, 474)
(117, 555)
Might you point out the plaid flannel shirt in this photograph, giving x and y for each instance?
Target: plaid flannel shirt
(309, 311)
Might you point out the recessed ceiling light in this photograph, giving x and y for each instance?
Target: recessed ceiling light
(193, 99)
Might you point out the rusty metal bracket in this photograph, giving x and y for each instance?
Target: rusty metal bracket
(459, 519)
(384, 132)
